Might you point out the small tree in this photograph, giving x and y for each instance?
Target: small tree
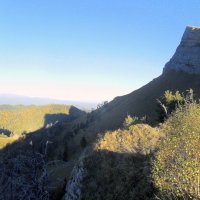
(169, 102)
(129, 121)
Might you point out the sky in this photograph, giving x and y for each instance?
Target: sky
(88, 50)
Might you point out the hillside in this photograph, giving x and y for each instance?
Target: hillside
(17, 120)
(141, 162)
(118, 167)
(142, 102)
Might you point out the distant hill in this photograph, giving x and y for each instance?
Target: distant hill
(12, 99)
(19, 119)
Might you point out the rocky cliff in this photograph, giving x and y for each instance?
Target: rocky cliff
(187, 55)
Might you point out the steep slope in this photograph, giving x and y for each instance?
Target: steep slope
(180, 73)
(117, 168)
(142, 102)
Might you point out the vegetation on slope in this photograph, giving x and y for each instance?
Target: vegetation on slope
(5, 140)
(176, 169)
(119, 166)
(142, 102)
(20, 119)
(141, 162)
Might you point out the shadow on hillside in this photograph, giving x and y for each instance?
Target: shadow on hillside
(119, 176)
(50, 119)
(51, 141)
(5, 132)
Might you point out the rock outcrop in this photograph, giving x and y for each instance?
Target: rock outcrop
(187, 55)
(74, 186)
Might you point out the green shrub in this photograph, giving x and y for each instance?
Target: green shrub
(176, 169)
(129, 121)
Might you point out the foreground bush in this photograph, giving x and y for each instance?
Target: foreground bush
(119, 166)
(176, 169)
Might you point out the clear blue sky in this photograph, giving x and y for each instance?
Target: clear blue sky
(88, 49)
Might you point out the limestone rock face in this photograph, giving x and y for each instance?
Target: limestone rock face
(187, 55)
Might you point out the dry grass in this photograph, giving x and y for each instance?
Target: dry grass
(7, 140)
(119, 166)
(140, 138)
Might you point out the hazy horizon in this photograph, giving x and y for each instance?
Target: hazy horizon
(46, 97)
(88, 50)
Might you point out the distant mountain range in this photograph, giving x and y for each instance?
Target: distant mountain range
(13, 99)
